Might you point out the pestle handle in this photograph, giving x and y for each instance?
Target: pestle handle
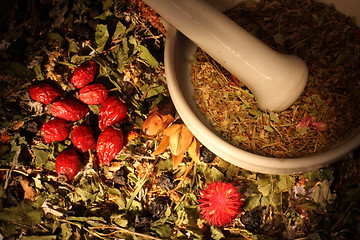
(275, 79)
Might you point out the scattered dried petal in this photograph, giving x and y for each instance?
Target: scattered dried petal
(304, 123)
(320, 126)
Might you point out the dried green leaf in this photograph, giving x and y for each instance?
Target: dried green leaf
(147, 56)
(252, 201)
(285, 182)
(47, 237)
(119, 219)
(274, 117)
(49, 165)
(55, 36)
(265, 190)
(257, 113)
(107, 4)
(281, 39)
(66, 231)
(144, 53)
(273, 199)
(163, 231)
(38, 72)
(268, 128)
(138, 187)
(28, 214)
(192, 214)
(41, 156)
(211, 173)
(323, 195)
(73, 46)
(155, 90)
(302, 131)
(166, 164)
(120, 29)
(101, 37)
(216, 233)
(107, 13)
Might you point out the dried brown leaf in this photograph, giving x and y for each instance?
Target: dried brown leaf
(29, 192)
(18, 125)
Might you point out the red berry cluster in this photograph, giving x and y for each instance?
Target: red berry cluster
(71, 109)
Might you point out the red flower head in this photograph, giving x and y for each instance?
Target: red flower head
(220, 203)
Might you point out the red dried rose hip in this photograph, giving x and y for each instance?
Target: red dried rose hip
(93, 94)
(84, 74)
(43, 92)
(69, 109)
(82, 138)
(109, 143)
(55, 130)
(112, 111)
(68, 164)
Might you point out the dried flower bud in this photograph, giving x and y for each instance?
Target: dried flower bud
(159, 118)
(220, 203)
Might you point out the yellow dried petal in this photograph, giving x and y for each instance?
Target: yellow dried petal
(180, 140)
(185, 138)
(174, 141)
(194, 150)
(177, 159)
(162, 145)
(172, 129)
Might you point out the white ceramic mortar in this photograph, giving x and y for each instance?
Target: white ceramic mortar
(179, 53)
(276, 80)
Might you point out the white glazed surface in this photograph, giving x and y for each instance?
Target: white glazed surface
(179, 53)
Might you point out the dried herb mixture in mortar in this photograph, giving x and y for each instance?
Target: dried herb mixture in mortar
(329, 107)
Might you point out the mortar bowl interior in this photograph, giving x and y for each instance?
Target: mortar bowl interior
(179, 54)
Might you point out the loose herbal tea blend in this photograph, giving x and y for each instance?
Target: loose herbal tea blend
(329, 107)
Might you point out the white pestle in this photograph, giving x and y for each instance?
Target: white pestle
(276, 80)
